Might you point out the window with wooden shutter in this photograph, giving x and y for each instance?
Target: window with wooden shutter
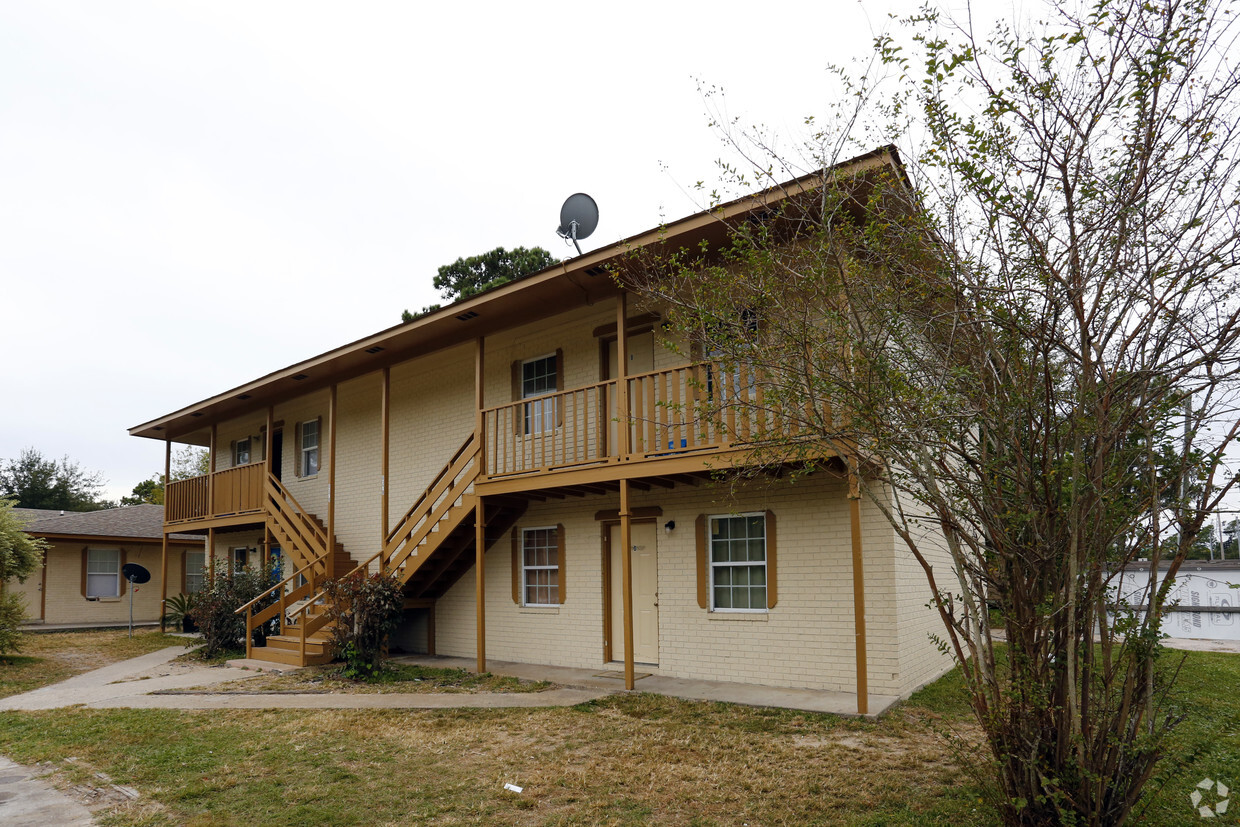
(736, 563)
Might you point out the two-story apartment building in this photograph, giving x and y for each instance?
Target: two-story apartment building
(535, 466)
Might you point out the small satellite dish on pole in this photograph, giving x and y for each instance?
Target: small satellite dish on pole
(136, 575)
(578, 218)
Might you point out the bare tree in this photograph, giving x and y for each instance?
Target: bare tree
(1025, 336)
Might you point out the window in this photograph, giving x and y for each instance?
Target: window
(309, 448)
(241, 556)
(738, 563)
(540, 566)
(103, 572)
(195, 565)
(539, 378)
(241, 452)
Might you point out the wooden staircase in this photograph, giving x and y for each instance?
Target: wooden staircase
(430, 548)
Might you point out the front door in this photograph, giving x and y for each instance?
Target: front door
(277, 454)
(645, 595)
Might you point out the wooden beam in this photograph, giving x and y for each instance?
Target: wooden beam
(331, 482)
(854, 506)
(644, 512)
(163, 560)
(385, 428)
(622, 372)
(626, 566)
(480, 547)
(210, 473)
(211, 553)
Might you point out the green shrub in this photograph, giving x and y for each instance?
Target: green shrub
(215, 607)
(363, 611)
(12, 613)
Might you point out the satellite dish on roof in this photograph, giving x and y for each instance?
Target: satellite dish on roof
(578, 218)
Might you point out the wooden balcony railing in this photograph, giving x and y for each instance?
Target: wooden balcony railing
(693, 408)
(235, 491)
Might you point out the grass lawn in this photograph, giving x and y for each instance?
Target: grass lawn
(50, 657)
(625, 760)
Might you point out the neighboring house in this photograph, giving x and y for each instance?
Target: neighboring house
(81, 583)
(1204, 601)
(479, 452)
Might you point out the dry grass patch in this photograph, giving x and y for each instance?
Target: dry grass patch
(51, 657)
(396, 678)
(636, 759)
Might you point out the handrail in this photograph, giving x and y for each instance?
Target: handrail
(413, 528)
(280, 488)
(465, 446)
(457, 474)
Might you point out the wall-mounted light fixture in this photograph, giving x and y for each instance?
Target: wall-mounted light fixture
(669, 525)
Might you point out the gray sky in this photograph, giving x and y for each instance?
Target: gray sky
(194, 194)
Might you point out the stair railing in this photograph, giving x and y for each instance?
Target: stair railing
(280, 607)
(430, 507)
(305, 536)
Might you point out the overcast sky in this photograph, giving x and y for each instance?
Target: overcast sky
(195, 194)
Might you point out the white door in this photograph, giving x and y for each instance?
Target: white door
(645, 564)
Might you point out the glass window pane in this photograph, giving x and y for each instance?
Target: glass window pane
(723, 597)
(757, 575)
(723, 576)
(719, 529)
(757, 550)
(740, 598)
(757, 597)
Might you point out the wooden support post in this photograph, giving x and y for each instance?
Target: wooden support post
(211, 474)
(211, 553)
(480, 547)
(622, 384)
(626, 567)
(331, 484)
(163, 562)
(858, 567)
(385, 428)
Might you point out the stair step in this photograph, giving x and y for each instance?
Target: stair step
(316, 643)
(290, 657)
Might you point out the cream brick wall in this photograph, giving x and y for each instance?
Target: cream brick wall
(807, 640)
(919, 622)
(65, 601)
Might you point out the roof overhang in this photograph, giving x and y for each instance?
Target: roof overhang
(577, 282)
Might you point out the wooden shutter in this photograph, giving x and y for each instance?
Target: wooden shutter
(322, 441)
(559, 386)
(297, 450)
(559, 537)
(703, 581)
(516, 566)
(771, 592)
(85, 553)
(518, 416)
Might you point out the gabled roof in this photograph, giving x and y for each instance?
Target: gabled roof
(573, 283)
(133, 522)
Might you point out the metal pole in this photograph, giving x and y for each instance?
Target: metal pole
(130, 606)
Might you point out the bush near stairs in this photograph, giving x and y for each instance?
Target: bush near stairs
(215, 606)
(362, 611)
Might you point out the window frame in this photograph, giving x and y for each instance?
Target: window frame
(201, 575)
(87, 573)
(240, 558)
(712, 565)
(554, 544)
(304, 452)
(238, 450)
(534, 403)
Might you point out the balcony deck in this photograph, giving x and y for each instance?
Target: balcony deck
(683, 422)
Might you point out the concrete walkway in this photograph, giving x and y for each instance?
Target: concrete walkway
(612, 680)
(28, 801)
